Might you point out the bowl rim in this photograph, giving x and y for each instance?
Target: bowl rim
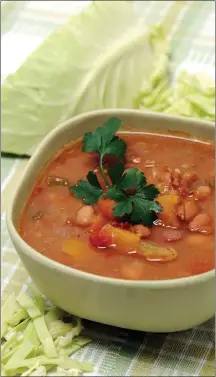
(49, 263)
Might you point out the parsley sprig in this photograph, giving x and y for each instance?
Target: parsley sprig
(105, 142)
(139, 204)
(129, 189)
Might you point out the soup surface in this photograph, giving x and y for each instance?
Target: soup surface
(90, 238)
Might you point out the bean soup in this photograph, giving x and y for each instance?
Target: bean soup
(130, 205)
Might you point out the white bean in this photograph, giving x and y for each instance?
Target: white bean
(202, 192)
(85, 216)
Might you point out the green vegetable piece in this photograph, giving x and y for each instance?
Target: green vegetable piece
(11, 342)
(75, 346)
(149, 192)
(58, 328)
(116, 194)
(22, 326)
(98, 140)
(7, 311)
(124, 208)
(27, 303)
(109, 73)
(45, 337)
(31, 334)
(115, 172)
(93, 179)
(17, 317)
(157, 253)
(144, 211)
(104, 141)
(69, 372)
(116, 147)
(53, 315)
(22, 352)
(85, 191)
(132, 178)
(36, 370)
(63, 362)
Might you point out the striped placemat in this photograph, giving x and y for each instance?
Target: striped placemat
(113, 351)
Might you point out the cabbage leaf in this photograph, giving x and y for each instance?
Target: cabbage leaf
(100, 59)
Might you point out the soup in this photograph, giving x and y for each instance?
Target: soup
(148, 214)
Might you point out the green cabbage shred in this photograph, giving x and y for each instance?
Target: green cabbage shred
(35, 339)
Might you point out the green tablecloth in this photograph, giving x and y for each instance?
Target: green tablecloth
(115, 351)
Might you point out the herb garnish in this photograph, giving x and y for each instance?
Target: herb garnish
(129, 189)
(104, 141)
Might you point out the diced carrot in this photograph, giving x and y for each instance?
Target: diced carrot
(124, 240)
(169, 213)
(98, 222)
(76, 248)
(105, 206)
(168, 200)
(141, 230)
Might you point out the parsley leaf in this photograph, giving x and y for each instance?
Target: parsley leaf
(115, 172)
(93, 179)
(123, 208)
(132, 178)
(116, 147)
(98, 140)
(104, 141)
(139, 203)
(149, 192)
(144, 211)
(116, 194)
(86, 191)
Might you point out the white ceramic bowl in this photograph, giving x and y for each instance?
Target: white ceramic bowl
(156, 306)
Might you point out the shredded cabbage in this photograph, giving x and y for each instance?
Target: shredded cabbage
(8, 309)
(45, 337)
(29, 305)
(35, 339)
(69, 372)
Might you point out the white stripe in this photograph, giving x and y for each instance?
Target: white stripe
(7, 179)
(12, 272)
(135, 358)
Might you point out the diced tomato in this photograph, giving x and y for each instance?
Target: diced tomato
(101, 239)
(183, 191)
(105, 206)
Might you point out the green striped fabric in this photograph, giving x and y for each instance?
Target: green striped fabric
(114, 352)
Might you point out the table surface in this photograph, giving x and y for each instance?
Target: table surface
(113, 351)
